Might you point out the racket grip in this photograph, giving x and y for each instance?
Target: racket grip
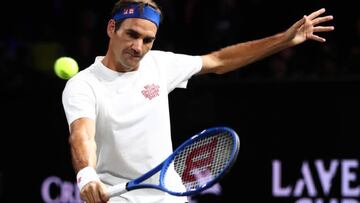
(117, 189)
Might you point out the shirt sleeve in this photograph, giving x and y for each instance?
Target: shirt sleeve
(78, 100)
(179, 68)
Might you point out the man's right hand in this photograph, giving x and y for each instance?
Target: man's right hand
(94, 192)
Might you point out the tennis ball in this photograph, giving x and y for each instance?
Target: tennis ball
(65, 67)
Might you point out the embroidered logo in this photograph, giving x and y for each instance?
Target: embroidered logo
(151, 91)
(128, 11)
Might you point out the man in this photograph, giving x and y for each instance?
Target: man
(117, 108)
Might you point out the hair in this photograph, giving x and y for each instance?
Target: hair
(122, 4)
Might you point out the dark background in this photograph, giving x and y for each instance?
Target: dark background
(300, 104)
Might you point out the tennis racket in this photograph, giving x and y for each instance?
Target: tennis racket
(200, 162)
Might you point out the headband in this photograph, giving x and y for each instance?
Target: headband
(134, 11)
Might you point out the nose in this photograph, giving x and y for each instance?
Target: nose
(137, 45)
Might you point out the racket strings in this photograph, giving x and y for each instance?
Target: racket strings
(202, 161)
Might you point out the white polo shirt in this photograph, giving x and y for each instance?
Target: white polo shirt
(132, 117)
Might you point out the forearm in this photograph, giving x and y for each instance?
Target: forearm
(82, 144)
(83, 152)
(242, 54)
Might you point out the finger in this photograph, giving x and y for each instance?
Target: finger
(316, 13)
(322, 19)
(84, 197)
(323, 28)
(316, 38)
(101, 197)
(104, 195)
(88, 193)
(91, 198)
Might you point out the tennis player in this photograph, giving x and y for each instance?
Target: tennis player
(117, 108)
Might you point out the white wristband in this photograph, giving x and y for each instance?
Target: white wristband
(86, 175)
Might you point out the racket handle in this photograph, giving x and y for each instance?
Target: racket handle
(117, 189)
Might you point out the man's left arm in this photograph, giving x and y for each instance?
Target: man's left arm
(239, 55)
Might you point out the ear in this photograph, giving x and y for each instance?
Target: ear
(111, 27)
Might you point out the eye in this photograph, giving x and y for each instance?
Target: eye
(133, 34)
(148, 40)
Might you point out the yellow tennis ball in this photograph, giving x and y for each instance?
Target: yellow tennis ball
(65, 67)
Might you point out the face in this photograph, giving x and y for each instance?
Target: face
(130, 43)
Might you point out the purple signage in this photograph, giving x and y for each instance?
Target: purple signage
(66, 192)
(318, 181)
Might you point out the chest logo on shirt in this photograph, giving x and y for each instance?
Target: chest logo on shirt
(151, 91)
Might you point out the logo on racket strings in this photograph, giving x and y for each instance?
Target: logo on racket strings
(198, 162)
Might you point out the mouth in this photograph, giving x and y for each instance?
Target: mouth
(133, 54)
(137, 57)
(134, 57)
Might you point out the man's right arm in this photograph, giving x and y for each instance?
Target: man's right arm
(82, 143)
(83, 152)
